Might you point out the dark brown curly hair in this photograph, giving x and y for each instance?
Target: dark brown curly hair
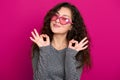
(78, 31)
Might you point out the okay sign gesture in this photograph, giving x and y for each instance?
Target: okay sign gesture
(40, 40)
(78, 46)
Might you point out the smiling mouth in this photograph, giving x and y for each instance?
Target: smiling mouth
(55, 25)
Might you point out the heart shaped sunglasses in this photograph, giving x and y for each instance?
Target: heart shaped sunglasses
(63, 20)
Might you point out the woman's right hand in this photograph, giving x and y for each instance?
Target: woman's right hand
(39, 39)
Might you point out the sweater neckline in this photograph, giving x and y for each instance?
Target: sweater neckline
(58, 50)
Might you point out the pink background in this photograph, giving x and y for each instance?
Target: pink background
(19, 17)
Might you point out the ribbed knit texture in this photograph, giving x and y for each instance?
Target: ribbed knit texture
(52, 64)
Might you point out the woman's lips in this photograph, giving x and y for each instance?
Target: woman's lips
(55, 25)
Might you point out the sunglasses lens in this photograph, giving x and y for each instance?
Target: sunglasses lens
(54, 18)
(64, 20)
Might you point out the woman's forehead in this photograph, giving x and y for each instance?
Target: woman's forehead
(64, 12)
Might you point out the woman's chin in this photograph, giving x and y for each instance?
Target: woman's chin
(56, 32)
(59, 32)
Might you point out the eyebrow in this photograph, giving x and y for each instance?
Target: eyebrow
(63, 15)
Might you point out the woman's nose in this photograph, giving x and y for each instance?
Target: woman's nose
(57, 20)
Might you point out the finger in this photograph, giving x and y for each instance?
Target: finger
(43, 37)
(85, 47)
(83, 39)
(84, 43)
(32, 39)
(76, 42)
(47, 37)
(36, 32)
(70, 42)
(73, 43)
(34, 36)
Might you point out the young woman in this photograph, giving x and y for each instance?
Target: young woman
(62, 49)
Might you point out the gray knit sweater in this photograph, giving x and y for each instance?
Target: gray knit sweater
(52, 64)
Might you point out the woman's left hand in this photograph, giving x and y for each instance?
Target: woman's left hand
(78, 46)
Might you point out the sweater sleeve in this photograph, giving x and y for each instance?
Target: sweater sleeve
(40, 63)
(71, 72)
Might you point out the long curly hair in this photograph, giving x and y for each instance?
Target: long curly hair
(78, 31)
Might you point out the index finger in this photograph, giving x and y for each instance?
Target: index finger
(83, 39)
(47, 37)
(36, 33)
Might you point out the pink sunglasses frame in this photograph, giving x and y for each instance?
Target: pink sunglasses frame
(58, 17)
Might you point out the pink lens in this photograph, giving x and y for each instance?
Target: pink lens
(62, 20)
(55, 17)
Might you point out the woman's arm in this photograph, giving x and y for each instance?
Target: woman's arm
(70, 61)
(39, 60)
(71, 72)
(35, 59)
(40, 63)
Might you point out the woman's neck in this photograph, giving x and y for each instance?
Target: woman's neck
(59, 41)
